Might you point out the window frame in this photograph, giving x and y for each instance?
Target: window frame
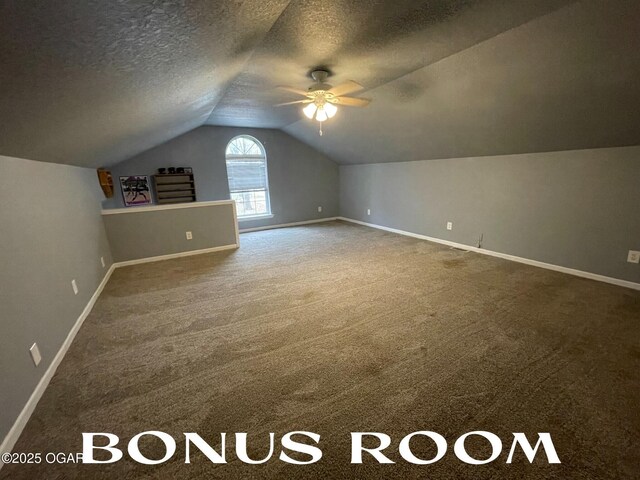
(267, 190)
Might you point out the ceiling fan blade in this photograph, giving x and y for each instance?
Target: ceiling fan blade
(291, 103)
(299, 91)
(346, 88)
(352, 101)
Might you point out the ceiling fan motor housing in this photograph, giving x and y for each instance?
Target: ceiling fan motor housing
(320, 76)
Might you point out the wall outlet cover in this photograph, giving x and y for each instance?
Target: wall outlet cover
(189, 235)
(102, 262)
(319, 209)
(449, 225)
(368, 211)
(35, 354)
(74, 285)
(634, 256)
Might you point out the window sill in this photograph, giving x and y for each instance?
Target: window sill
(255, 217)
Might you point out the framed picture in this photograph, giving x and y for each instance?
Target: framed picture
(136, 190)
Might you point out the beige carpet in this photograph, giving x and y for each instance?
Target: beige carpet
(336, 328)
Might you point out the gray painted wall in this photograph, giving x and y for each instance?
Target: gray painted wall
(51, 233)
(300, 178)
(577, 209)
(142, 234)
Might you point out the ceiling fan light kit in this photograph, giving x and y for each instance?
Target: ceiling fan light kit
(322, 97)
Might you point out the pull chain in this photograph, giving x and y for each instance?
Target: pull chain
(320, 128)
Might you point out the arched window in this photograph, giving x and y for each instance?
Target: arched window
(247, 175)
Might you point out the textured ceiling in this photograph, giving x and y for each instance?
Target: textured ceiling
(568, 80)
(370, 41)
(94, 82)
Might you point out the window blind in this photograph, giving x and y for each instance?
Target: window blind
(246, 174)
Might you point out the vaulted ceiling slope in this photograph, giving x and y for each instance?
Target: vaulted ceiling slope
(565, 81)
(92, 83)
(370, 41)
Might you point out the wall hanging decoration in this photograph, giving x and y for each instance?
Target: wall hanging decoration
(136, 190)
(106, 182)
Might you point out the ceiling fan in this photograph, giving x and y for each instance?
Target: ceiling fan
(322, 98)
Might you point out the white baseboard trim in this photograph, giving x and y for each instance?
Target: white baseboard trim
(283, 225)
(12, 437)
(513, 258)
(138, 261)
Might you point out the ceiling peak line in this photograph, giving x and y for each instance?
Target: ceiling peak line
(428, 64)
(246, 62)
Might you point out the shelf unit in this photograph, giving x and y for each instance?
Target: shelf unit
(175, 188)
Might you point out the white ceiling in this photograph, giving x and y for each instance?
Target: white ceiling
(92, 83)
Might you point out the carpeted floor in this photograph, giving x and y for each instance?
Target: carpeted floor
(336, 328)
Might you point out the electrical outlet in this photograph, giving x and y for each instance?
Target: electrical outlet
(634, 256)
(368, 211)
(449, 225)
(102, 262)
(35, 354)
(74, 285)
(189, 235)
(319, 209)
